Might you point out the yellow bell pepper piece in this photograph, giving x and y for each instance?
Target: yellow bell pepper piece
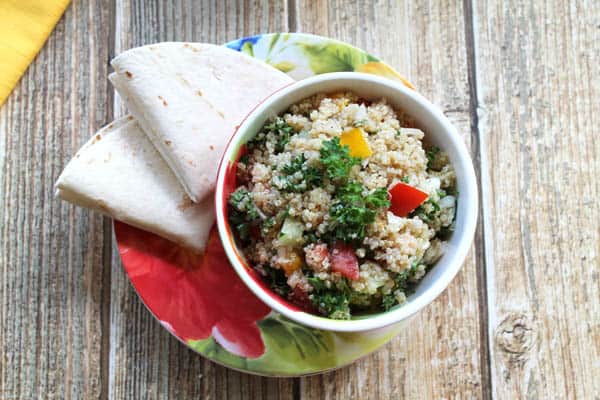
(292, 263)
(353, 138)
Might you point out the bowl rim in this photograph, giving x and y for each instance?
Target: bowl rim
(376, 320)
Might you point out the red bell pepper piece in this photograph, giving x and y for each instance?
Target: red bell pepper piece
(405, 199)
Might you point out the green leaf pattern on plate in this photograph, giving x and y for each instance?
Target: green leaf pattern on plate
(333, 57)
(248, 49)
(304, 55)
(294, 349)
(291, 349)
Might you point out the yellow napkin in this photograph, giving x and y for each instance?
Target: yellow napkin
(24, 27)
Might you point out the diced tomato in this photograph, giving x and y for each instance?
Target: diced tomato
(405, 199)
(343, 260)
(300, 298)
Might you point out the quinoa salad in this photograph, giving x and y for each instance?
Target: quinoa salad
(341, 207)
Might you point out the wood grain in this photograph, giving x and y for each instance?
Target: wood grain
(54, 306)
(145, 360)
(439, 355)
(522, 319)
(538, 113)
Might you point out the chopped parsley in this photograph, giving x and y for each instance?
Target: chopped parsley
(403, 282)
(317, 284)
(388, 301)
(379, 198)
(297, 176)
(350, 193)
(432, 154)
(428, 211)
(241, 201)
(277, 280)
(295, 166)
(284, 131)
(278, 127)
(445, 232)
(353, 208)
(273, 223)
(352, 211)
(348, 222)
(243, 213)
(268, 224)
(337, 161)
(310, 237)
(333, 302)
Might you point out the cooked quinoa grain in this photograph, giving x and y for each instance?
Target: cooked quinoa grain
(340, 207)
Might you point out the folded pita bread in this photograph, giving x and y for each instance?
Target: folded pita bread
(189, 98)
(118, 172)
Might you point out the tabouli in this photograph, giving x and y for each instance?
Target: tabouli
(340, 206)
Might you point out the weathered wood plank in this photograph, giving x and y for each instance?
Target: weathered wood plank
(146, 361)
(53, 307)
(537, 83)
(439, 355)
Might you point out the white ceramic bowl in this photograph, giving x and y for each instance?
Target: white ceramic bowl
(438, 130)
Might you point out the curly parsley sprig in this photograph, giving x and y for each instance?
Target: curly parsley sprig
(337, 160)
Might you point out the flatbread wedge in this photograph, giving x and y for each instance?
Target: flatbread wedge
(189, 98)
(118, 172)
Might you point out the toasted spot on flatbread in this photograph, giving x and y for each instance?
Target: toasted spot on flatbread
(129, 74)
(163, 101)
(130, 117)
(185, 203)
(211, 147)
(168, 142)
(199, 93)
(189, 46)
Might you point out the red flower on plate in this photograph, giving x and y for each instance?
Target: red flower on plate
(193, 296)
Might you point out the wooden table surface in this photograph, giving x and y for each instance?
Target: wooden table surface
(521, 81)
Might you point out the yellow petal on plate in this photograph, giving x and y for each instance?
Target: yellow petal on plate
(382, 69)
(354, 139)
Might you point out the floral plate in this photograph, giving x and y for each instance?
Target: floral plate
(202, 301)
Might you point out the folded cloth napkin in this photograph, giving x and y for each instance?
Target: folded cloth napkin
(24, 27)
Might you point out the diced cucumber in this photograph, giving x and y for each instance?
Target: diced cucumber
(291, 233)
